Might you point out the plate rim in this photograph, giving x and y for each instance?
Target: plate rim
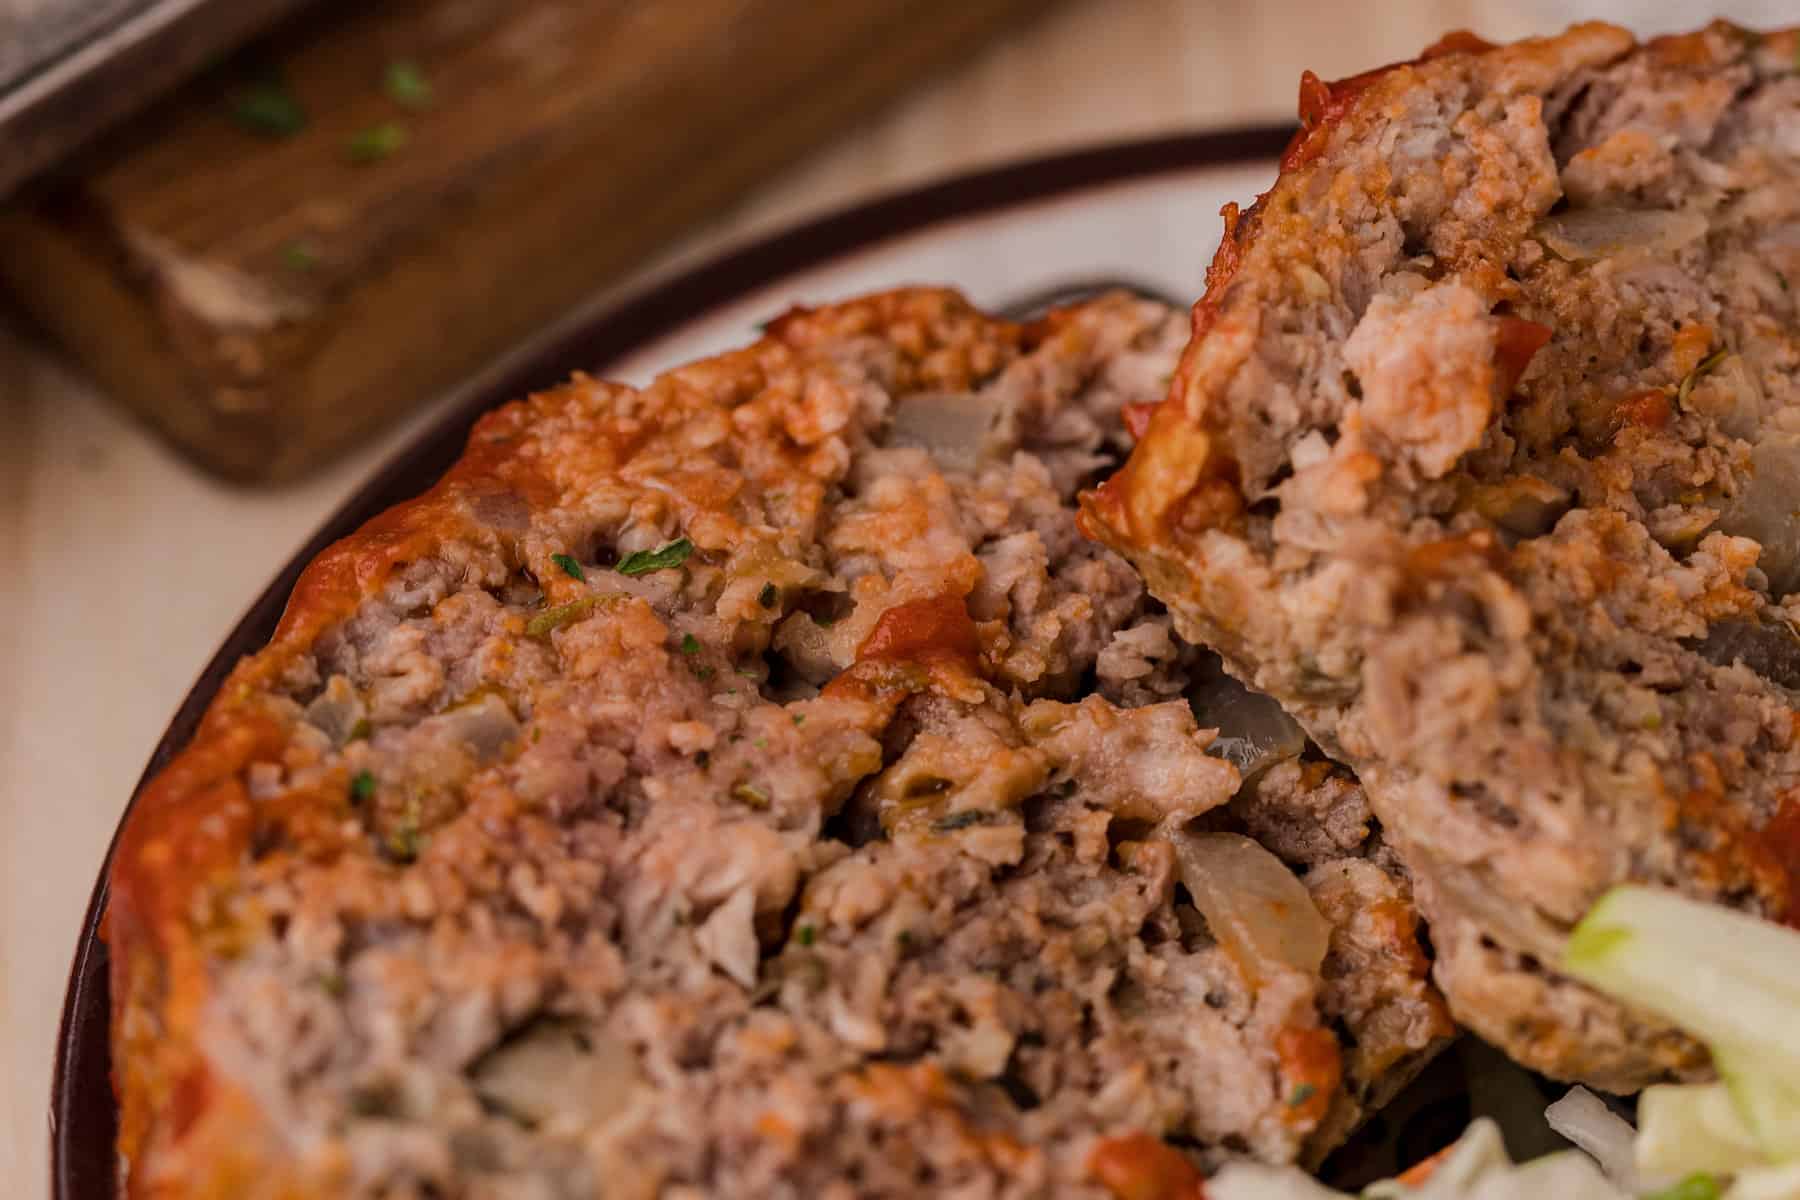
(83, 1111)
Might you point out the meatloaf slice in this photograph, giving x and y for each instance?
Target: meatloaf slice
(753, 785)
(1484, 460)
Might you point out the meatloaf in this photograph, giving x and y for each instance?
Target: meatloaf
(1484, 460)
(754, 785)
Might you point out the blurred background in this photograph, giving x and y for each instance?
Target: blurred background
(248, 245)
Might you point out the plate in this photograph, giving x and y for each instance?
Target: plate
(1139, 214)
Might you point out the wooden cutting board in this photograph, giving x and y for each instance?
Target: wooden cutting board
(313, 238)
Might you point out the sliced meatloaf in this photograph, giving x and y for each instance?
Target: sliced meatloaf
(754, 785)
(1485, 459)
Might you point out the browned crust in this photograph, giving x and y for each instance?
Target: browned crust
(175, 903)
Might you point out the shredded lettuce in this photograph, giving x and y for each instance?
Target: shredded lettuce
(1475, 1168)
(1692, 1127)
(1731, 980)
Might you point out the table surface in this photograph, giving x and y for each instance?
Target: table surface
(131, 566)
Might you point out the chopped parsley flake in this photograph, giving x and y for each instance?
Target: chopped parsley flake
(268, 108)
(406, 84)
(403, 843)
(375, 143)
(1301, 1094)
(806, 935)
(569, 566)
(562, 614)
(750, 794)
(1698, 373)
(904, 937)
(360, 730)
(799, 718)
(642, 562)
(703, 673)
(770, 596)
(362, 786)
(746, 672)
(964, 819)
(299, 256)
(690, 644)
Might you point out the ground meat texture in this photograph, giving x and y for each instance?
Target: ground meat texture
(1482, 462)
(749, 785)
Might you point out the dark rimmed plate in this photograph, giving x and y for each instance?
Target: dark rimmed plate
(788, 267)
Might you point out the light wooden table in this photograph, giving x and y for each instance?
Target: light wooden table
(130, 567)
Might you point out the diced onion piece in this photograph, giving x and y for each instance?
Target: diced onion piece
(1584, 235)
(558, 1069)
(952, 427)
(1765, 510)
(1523, 505)
(1770, 650)
(485, 726)
(337, 710)
(1584, 1119)
(1728, 392)
(1257, 909)
(1255, 732)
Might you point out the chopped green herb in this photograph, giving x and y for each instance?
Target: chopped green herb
(761, 743)
(299, 256)
(360, 730)
(403, 842)
(703, 673)
(642, 562)
(750, 794)
(407, 85)
(964, 819)
(690, 644)
(537, 734)
(333, 983)
(376, 142)
(1698, 1186)
(569, 566)
(904, 937)
(562, 614)
(770, 596)
(746, 672)
(1698, 373)
(362, 786)
(806, 935)
(1782, 280)
(799, 718)
(268, 108)
(1301, 1094)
